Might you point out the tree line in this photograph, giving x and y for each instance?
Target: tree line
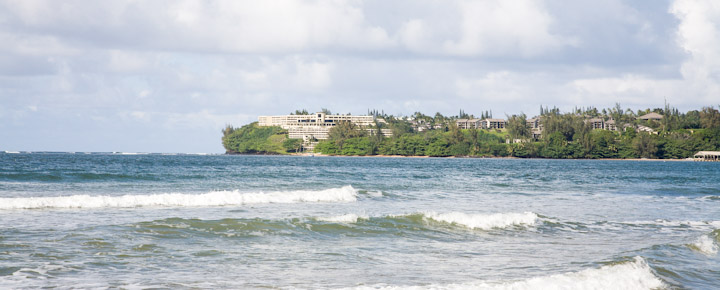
(253, 139)
(564, 135)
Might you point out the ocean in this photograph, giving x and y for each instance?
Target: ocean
(77, 220)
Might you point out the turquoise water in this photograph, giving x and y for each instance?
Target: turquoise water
(185, 221)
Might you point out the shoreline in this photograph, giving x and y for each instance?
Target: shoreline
(484, 157)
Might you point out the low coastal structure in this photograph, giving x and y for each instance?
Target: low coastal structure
(707, 156)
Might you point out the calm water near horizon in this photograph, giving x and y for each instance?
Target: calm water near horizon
(219, 221)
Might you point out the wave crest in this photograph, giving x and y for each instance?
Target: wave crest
(346, 219)
(485, 221)
(634, 274)
(216, 198)
(704, 244)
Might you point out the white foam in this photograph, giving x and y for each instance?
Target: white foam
(347, 218)
(484, 222)
(668, 223)
(216, 198)
(375, 193)
(704, 244)
(41, 272)
(629, 275)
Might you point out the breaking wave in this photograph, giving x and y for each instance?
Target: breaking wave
(706, 244)
(346, 219)
(215, 198)
(485, 221)
(635, 274)
(417, 224)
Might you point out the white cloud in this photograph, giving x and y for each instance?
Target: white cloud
(413, 35)
(699, 35)
(148, 67)
(313, 74)
(125, 61)
(510, 92)
(630, 90)
(220, 25)
(698, 82)
(468, 28)
(514, 27)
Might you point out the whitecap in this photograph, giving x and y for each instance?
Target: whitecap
(704, 244)
(634, 274)
(215, 198)
(346, 218)
(484, 221)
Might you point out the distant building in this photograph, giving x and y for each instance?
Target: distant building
(318, 119)
(599, 123)
(492, 124)
(534, 123)
(462, 123)
(641, 128)
(610, 125)
(536, 127)
(469, 123)
(651, 116)
(707, 156)
(596, 123)
(317, 126)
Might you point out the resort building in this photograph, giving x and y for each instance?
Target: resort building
(493, 124)
(610, 125)
(599, 123)
(318, 119)
(419, 125)
(469, 123)
(596, 123)
(317, 126)
(536, 127)
(480, 124)
(308, 132)
(534, 123)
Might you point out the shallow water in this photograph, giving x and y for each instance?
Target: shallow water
(146, 221)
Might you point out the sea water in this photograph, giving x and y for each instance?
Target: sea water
(184, 221)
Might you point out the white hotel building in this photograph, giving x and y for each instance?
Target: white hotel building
(316, 125)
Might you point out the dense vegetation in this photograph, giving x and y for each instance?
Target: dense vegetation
(566, 135)
(253, 139)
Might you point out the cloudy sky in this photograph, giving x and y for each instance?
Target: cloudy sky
(166, 76)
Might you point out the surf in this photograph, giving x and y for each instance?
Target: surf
(634, 274)
(215, 198)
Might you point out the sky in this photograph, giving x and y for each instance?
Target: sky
(168, 76)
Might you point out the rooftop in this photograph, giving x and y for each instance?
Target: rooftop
(651, 116)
